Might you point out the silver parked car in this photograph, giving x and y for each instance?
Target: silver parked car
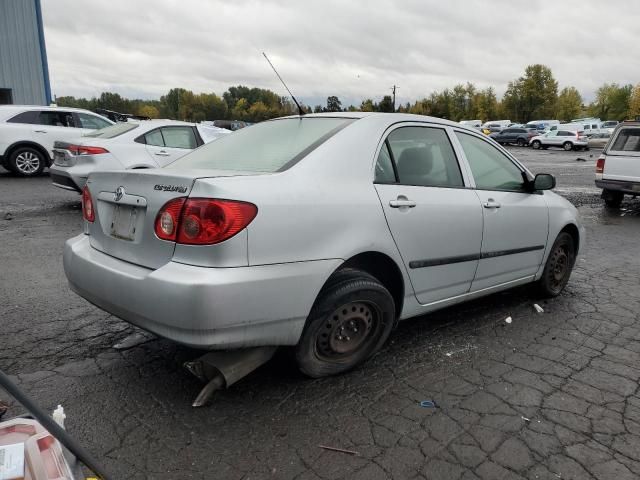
(318, 232)
(133, 144)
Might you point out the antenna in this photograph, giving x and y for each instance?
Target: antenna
(300, 110)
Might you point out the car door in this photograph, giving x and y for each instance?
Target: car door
(551, 139)
(516, 222)
(167, 144)
(52, 125)
(435, 221)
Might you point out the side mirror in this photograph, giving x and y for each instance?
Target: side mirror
(544, 181)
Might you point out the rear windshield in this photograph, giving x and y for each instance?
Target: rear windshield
(628, 140)
(112, 130)
(271, 146)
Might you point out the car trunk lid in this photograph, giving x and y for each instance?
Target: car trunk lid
(126, 204)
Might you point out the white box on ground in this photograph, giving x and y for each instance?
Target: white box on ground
(12, 462)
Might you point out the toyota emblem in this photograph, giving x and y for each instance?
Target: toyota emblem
(119, 193)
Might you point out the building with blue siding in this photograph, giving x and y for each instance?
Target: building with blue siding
(24, 73)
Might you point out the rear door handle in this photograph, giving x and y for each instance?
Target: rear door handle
(491, 203)
(40, 131)
(162, 153)
(402, 203)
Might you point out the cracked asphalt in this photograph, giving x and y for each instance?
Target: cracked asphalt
(551, 395)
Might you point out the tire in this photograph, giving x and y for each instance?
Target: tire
(27, 162)
(559, 265)
(521, 142)
(350, 320)
(536, 144)
(568, 146)
(612, 199)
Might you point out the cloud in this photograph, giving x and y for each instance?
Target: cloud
(354, 50)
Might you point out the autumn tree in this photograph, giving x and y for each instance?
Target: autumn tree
(634, 102)
(148, 111)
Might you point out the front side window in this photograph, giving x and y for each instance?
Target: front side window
(424, 157)
(92, 122)
(56, 119)
(491, 169)
(179, 137)
(628, 140)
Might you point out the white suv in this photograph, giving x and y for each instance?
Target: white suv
(618, 168)
(27, 134)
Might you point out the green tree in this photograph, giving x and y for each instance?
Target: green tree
(367, 106)
(240, 110)
(386, 104)
(569, 104)
(333, 104)
(612, 102)
(258, 112)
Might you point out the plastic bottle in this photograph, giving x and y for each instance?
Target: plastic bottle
(59, 416)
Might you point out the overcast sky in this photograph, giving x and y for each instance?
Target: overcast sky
(354, 49)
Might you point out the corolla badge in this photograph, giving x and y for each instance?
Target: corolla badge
(118, 194)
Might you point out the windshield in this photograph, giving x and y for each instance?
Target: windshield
(112, 130)
(266, 147)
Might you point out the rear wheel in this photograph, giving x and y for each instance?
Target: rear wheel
(559, 265)
(536, 144)
(612, 199)
(568, 146)
(521, 142)
(26, 162)
(351, 319)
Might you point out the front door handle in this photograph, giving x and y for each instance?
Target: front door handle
(40, 131)
(491, 203)
(402, 203)
(162, 153)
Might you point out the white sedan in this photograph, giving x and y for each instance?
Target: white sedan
(131, 145)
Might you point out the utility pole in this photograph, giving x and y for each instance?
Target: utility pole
(393, 89)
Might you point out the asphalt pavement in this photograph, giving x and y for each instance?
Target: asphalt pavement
(551, 395)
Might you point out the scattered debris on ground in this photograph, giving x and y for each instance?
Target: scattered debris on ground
(538, 308)
(341, 450)
(508, 320)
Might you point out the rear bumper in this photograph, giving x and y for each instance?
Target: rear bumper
(213, 308)
(631, 188)
(62, 178)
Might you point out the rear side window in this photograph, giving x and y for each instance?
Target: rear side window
(424, 157)
(628, 140)
(154, 137)
(25, 117)
(179, 137)
(492, 170)
(271, 146)
(56, 119)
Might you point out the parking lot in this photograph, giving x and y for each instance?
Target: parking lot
(550, 395)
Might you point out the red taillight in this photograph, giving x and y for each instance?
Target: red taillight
(86, 150)
(166, 225)
(87, 205)
(202, 221)
(600, 164)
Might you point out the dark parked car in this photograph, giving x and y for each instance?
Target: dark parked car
(519, 136)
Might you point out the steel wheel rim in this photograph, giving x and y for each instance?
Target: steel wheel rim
(559, 267)
(27, 162)
(567, 146)
(347, 329)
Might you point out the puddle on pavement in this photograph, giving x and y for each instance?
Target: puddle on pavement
(609, 216)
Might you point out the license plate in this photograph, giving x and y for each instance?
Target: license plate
(123, 225)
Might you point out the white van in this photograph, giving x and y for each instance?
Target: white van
(543, 125)
(499, 123)
(471, 123)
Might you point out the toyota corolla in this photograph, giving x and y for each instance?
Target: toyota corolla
(319, 232)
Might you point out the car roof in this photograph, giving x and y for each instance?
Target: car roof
(390, 117)
(25, 108)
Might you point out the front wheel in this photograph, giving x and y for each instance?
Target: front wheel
(521, 142)
(568, 146)
(27, 162)
(536, 144)
(351, 319)
(559, 265)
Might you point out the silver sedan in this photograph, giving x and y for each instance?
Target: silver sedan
(319, 232)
